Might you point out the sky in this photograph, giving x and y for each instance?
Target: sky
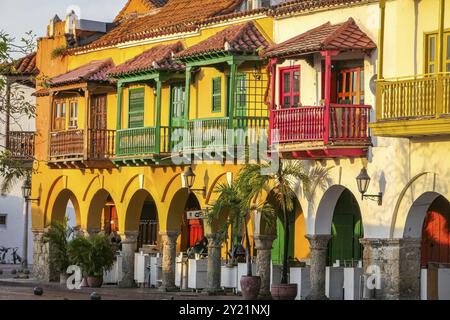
(20, 16)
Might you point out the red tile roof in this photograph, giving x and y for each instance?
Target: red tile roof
(174, 17)
(93, 71)
(243, 38)
(343, 37)
(147, 4)
(297, 6)
(25, 66)
(157, 58)
(41, 93)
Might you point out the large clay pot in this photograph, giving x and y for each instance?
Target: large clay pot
(284, 291)
(95, 282)
(250, 287)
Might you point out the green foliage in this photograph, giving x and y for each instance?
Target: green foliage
(94, 255)
(11, 171)
(58, 237)
(58, 52)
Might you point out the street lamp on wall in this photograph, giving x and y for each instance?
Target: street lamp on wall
(363, 182)
(189, 180)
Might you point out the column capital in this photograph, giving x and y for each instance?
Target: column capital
(169, 236)
(318, 241)
(263, 241)
(129, 237)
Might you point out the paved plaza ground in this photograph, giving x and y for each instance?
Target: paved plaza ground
(22, 289)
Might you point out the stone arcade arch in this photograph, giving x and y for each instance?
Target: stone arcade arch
(338, 217)
(102, 211)
(61, 208)
(425, 244)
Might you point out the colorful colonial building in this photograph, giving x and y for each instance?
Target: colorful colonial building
(344, 85)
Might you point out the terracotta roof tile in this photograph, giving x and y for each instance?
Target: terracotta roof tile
(41, 93)
(243, 38)
(25, 66)
(344, 36)
(296, 6)
(148, 5)
(174, 17)
(157, 58)
(93, 71)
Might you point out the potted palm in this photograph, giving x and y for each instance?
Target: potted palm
(94, 256)
(237, 201)
(57, 237)
(281, 183)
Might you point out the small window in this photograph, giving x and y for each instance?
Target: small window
(217, 94)
(3, 220)
(73, 115)
(290, 84)
(59, 116)
(136, 108)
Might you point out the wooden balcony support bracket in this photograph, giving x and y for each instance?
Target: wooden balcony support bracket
(328, 55)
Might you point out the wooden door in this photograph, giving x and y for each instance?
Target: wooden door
(436, 239)
(290, 87)
(98, 130)
(278, 243)
(195, 232)
(350, 86)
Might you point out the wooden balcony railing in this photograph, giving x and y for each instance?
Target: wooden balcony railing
(21, 145)
(347, 124)
(66, 145)
(213, 133)
(420, 97)
(102, 143)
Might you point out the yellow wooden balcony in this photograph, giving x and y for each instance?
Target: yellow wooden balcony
(414, 106)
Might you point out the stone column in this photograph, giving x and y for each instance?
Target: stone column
(263, 245)
(319, 249)
(169, 240)
(129, 246)
(214, 264)
(41, 257)
(398, 261)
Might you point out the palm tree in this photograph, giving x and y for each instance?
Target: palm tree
(236, 201)
(281, 184)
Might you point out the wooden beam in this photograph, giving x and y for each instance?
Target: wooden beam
(440, 47)
(86, 125)
(158, 114)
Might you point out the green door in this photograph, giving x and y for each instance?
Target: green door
(346, 230)
(278, 243)
(177, 105)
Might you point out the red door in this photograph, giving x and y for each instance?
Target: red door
(195, 232)
(436, 238)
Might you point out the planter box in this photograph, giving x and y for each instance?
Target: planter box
(228, 277)
(197, 274)
(334, 283)
(242, 271)
(435, 284)
(115, 274)
(155, 271)
(141, 262)
(181, 272)
(352, 283)
(301, 276)
(276, 271)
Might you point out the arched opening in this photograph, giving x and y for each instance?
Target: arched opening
(66, 207)
(435, 246)
(142, 216)
(185, 217)
(192, 227)
(102, 215)
(344, 247)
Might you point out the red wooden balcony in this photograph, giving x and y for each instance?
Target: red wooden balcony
(313, 132)
(21, 145)
(73, 145)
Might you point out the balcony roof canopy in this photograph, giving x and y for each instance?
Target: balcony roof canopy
(341, 37)
(159, 58)
(243, 39)
(23, 70)
(94, 71)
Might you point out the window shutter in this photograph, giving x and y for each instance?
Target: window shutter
(136, 108)
(217, 95)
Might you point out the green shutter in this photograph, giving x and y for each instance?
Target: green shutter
(217, 94)
(136, 108)
(278, 243)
